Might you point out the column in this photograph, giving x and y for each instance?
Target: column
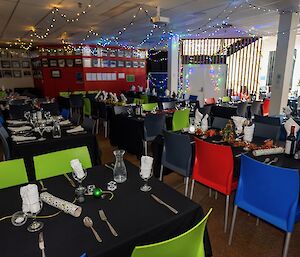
(283, 66)
(173, 64)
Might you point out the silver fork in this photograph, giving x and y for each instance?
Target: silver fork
(104, 218)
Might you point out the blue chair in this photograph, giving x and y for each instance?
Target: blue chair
(271, 193)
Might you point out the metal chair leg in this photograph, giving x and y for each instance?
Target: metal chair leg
(216, 195)
(105, 128)
(161, 173)
(226, 213)
(257, 221)
(286, 244)
(145, 148)
(192, 189)
(209, 192)
(186, 186)
(232, 224)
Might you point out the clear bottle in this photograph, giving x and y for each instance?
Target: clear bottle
(56, 131)
(120, 172)
(290, 144)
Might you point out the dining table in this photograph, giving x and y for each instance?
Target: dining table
(28, 149)
(137, 218)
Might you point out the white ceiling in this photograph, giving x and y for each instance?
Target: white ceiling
(108, 17)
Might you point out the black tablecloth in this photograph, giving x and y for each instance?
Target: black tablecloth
(223, 111)
(137, 218)
(67, 141)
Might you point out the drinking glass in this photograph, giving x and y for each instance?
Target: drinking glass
(146, 187)
(120, 172)
(35, 225)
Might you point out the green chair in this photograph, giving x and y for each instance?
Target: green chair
(93, 92)
(58, 163)
(145, 98)
(138, 101)
(87, 108)
(188, 244)
(225, 99)
(181, 119)
(79, 93)
(149, 107)
(12, 173)
(64, 94)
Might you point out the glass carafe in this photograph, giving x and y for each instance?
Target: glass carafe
(120, 172)
(56, 131)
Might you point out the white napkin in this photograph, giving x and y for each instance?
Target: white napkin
(167, 92)
(115, 97)
(18, 129)
(238, 122)
(204, 123)
(16, 122)
(198, 118)
(288, 124)
(98, 94)
(77, 168)
(248, 133)
(287, 111)
(76, 129)
(123, 98)
(22, 138)
(154, 92)
(140, 89)
(276, 150)
(105, 95)
(30, 198)
(64, 122)
(146, 166)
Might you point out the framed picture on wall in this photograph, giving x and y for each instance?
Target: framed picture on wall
(45, 62)
(95, 62)
(53, 63)
(113, 53)
(5, 64)
(79, 77)
(25, 64)
(142, 64)
(105, 63)
(128, 64)
(6, 73)
(130, 78)
(17, 74)
(78, 62)
(113, 64)
(128, 54)
(61, 63)
(70, 62)
(15, 64)
(121, 64)
(26, 73)
(135, 64)
(55, 74)
(120, 53)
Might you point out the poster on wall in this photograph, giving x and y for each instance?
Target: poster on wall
(6, 73)
(44, 62)
(78, 62)
(5, 64)
(130, 78)
(87, 62)
(128, 64)
(70, 62)
(105, 63)
(121, 76)
(95, 63)
(128, 54)
(53, 63)
(113, 53)
(61, 63)
(17, 74)
(135, 64)
(113, 64)
(142, 64)
(79, 77)
(102, 52)
(120, 53)
(26, 64)
(15, 64)
(121, 64)
(55, 74)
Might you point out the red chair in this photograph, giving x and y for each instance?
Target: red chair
(266, 107)
(213, 167)
(210, 101)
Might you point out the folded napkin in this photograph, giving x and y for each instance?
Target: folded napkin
(238, 122)
(288, 124)
(77, 168)
(18, 129)
(98, 94)
(115, 97)
(123, 98)
(248, 133)
(30, 198)
(204, 123)
(198, 118)
(64, 122)
(140, 89)
(287, 111)
(146, 166)
(167, 92)
(154, 92)
(22, 138)
(76, 129)
(269, 151)
(16, 122)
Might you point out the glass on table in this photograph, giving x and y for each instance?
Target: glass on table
(146, 175)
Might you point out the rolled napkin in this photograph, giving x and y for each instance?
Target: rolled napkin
(154, 92)
(198, 118)
(22, 138)
(76, 129)
(123, 98)
(204, 123)
(146, 166)
(17, 122)
(77, 168)
(140, 89)
(30, 198)
(287, 111)
(288, 124)
(115, 97)
(19, 129)
(238, 122)
(64, 122)
(269, 151)
(61, 204)
(248, 133)
(98, 94)
(167, 92)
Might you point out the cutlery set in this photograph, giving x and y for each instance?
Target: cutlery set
(269, 161)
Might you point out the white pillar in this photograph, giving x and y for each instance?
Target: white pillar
(173, 64)
(283, 66)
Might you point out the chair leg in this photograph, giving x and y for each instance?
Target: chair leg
(192, 189)
(105, 129)
(209, 192)
(145, 148)
(161, 173)
(226, 213)
(216, 195)
(286, 244)
(232, 224)
(186, 186)
(257, 221)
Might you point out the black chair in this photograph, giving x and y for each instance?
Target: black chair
(76, 103)
(153, 126)
(177, 155)
(242, 109)
(121, 109)
(219, 123)
(255, 108)
(88, 124)
(16, 112)
(75, 119)
(53, 108)
(4, 140)
(206, 109)
(103, 116)
(17, 102)
(275, 121)
(266, 131)
(167, 105)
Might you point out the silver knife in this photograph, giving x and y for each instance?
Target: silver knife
(42, 244)
(163, 203)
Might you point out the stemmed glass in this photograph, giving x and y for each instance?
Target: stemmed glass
(41, 129)
(80, 190)
(35, 225)
(146, 176)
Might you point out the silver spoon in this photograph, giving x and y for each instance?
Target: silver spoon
(87, 221)
(267, 160)
(273, 161)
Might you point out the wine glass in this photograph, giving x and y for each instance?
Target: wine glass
(35, 225)
(146, 176)
(80, 190)
(41, 129)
